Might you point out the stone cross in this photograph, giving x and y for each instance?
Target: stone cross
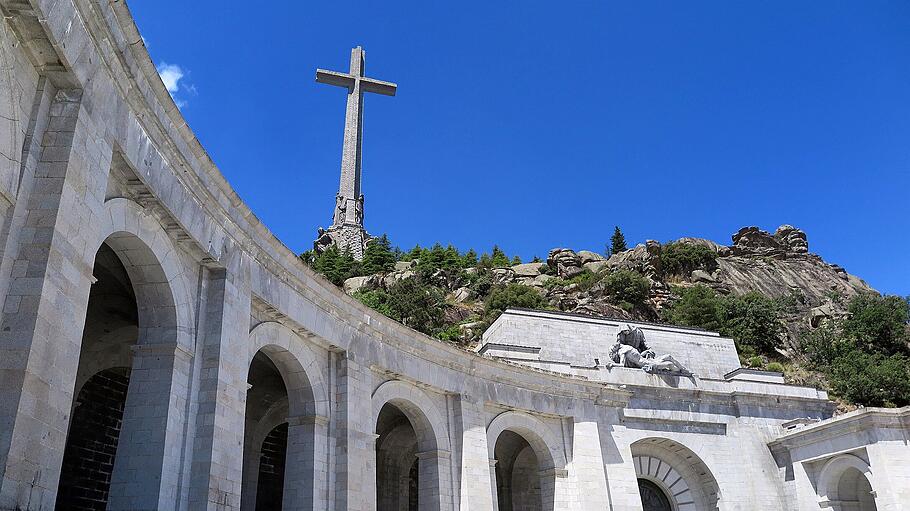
(349, 203)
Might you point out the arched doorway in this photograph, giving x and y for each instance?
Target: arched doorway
(124, 386)
(265, 436)
(854, 492)
(397, 466)
(282, 467)
(844, 484)
(412, 450)
(518, 474)
(671, 477)
(524, 460)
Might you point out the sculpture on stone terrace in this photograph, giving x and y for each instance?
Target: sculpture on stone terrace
(630, 350)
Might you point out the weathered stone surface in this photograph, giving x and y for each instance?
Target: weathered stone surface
(702, 276)
(527, 269)
(405, 265)
(462, 294)
(566, 262)
(597, 266)
(586, 256)
(503, 275)
(786, 241)
(353, 284)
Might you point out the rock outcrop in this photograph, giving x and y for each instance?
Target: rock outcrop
(776, 265)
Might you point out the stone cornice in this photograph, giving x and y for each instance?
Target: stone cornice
(866, 419)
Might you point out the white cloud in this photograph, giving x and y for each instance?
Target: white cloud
(174, 80)
(170, 74)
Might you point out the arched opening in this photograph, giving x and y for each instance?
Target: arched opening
(528, 468)
(519, 477)
(854, 492)
(673, 478)
(265, 436)
(397, 465)
(279, 454)
(653, 497)
(135, 325)
(845, 484)
(102, 383)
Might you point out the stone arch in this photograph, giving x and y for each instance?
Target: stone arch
(306, 415)
(416, 405)
(542, 439)
(683, 477)
(166, 313)
(831, 488)
(299, 365)
(158, 356)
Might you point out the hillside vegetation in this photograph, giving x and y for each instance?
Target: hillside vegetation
(786, 309)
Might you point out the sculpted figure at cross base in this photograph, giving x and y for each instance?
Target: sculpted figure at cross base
(630, 350)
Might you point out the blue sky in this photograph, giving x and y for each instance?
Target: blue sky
(540, 124)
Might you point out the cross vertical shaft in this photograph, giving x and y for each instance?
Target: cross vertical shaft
(349, 186)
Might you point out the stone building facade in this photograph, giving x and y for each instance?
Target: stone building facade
(161, 349)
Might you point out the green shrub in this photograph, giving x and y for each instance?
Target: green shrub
(872, 379)
(698, 306)
(824, 345)
(681, 258)
(626, 288)
(481, 282)
(378, 300)
(878, 323)
(775, 367)
(756, 361)
(752, 320)
(408, 301)
(513, 295)
(449, 334)
(864, 356)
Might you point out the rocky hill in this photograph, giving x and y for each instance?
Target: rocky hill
(778, 266)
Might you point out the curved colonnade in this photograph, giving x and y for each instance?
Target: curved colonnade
(162, 350)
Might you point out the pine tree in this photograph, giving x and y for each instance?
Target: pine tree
(516, 260)
(469, 260)
(617, 242)
(452, 258)
(499, 259)
(378, 256)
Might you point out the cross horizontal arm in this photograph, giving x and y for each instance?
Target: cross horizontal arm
(378, 86)
(335, 78)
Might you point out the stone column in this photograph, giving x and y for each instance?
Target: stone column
(478, 477)
(588, 467)
(45, 307)
(305, 476)
(433, 478)
(355, 475)
(147, 466)
(217, 470)
(622, 482)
